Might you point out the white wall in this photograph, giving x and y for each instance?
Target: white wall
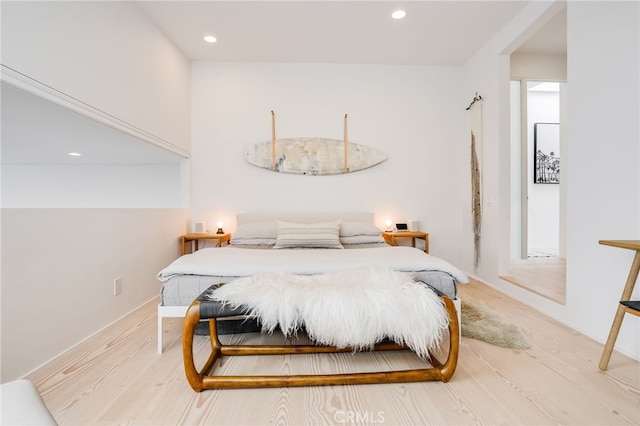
(603, 190)
(58, 267)
(105, 57)
(412, 114)
(538, 67)
(603, 194)
(92, 186)
(516, 183)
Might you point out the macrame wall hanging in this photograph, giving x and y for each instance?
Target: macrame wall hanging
(476, 173)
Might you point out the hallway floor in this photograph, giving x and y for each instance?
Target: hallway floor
(545, 276)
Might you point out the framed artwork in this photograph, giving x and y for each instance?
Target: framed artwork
(546, 148)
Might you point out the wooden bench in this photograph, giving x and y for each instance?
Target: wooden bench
(199, 379)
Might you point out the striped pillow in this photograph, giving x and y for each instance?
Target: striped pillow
(315, 235)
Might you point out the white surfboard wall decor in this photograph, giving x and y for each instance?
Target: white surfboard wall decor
(312, 156)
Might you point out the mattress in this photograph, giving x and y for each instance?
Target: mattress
(181, 290)
(187, 277)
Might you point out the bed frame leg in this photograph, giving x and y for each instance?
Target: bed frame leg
(160, 317)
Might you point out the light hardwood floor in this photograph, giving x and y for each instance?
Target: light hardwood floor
(117, 377)
(546, 276)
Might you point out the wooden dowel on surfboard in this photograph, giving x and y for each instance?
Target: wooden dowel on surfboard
(346, 169)
(273, 140)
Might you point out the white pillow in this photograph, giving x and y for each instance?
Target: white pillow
(253, 242)
(260, 230)
(314, 235)
(349, 229)
(362, 239)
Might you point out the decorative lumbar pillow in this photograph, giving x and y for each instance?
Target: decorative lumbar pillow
(350, 229)
(314, 235)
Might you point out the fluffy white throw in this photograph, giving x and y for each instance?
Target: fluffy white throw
(355, 308)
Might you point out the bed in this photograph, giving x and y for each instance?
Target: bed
(300, 243)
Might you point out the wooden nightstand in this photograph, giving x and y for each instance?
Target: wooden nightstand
(188, 238)
(390, 238)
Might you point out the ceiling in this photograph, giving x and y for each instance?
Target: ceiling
(551, 39)
(437, 33)
(443, 33)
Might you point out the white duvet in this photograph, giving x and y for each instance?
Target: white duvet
(239, 262)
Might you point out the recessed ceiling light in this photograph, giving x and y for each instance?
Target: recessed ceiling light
(210, 39)
(75, 154)
(398, 14)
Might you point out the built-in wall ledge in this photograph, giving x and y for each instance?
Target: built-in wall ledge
(30, 85)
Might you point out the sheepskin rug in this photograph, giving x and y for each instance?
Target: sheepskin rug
(483, 323)
(356, 308)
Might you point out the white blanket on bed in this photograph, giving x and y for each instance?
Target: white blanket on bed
(356, 308)
(239, 262)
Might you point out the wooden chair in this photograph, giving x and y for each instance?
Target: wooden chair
(625, 306)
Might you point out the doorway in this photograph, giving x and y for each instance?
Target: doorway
(537, 259)
(543, 171)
